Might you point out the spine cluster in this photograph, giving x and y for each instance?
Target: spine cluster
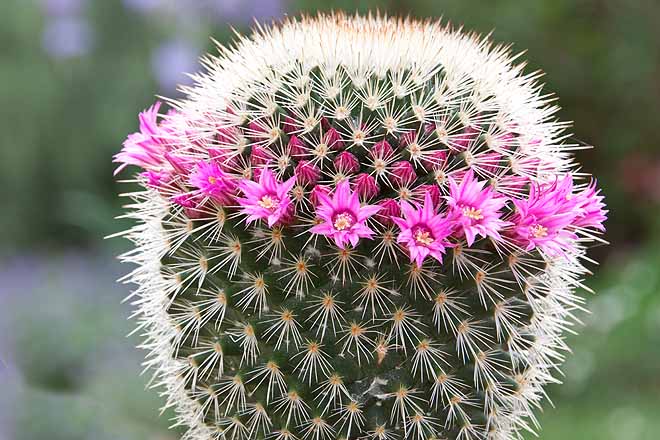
(382, 246)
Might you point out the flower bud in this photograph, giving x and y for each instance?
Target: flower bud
(381, 150)
(289, 125)
(307, 173)
(332, 139)
(366, 186)
(403, 173)
(462, 141)
(347, 163)
(296, 147)
(389, 208)
(260, 156)
(436, 159)
(433, 190)
(314, 193)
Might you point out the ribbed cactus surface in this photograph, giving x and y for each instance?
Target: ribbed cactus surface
(357, 228)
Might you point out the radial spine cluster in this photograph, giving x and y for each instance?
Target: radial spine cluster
(357, 228)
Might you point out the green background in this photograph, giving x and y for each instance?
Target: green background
(74, 74)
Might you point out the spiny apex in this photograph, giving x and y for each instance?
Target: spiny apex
(357, 228)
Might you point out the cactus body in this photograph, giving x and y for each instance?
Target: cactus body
(357, 228)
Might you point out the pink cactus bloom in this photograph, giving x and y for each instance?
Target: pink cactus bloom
(343, 219)
(316, 192)
(144, 148)
(185, 200)
(307, 172)
(423, 231)
(590, 204)
(266, 200)
(366, 186)
(475, 210)
(211, 181)
(181, 164)
(433, 190)
(190, 204)
(156, 179)
(542, 220)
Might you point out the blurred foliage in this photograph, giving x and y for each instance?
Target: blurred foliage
(69, 101)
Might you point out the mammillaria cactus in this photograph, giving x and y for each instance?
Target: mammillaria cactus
(357, 228)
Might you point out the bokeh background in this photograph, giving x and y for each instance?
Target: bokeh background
(74, 74)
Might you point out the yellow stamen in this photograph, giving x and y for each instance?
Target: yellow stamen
(343, 221)
(267, 202)
(539, 231)
(474, 214)
(423, 236)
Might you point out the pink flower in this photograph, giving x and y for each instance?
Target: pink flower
(316, 192)
(423, 232)
(212, 181)
(268, 199)
(343, 219)
(541, 221)
(475, 210)
(366, 186)
(185, 200)
(190, 204)
(347, 163)
(144, 148)
(180, 163)
(403, 173)
(432, 190)
(156, 179)
(590, 204)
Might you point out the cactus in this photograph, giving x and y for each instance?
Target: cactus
(357, 228)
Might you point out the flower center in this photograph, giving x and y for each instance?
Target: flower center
(343, 221)
(268, 202)
(538, 231)
(423, 236)
(473, 213)
(212, 180)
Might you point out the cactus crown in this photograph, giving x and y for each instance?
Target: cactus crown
(357, 227)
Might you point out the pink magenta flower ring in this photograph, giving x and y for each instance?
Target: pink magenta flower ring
(342, 217)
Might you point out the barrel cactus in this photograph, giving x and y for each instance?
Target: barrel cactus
(357, 228)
